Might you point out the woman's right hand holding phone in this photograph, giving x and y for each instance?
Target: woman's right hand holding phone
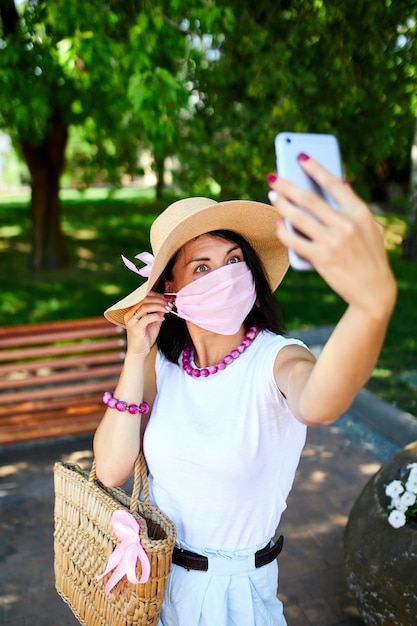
(345, 246)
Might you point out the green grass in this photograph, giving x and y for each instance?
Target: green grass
(100, 227)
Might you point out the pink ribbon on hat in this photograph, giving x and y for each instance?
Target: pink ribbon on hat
(124, 557)
(145, 257)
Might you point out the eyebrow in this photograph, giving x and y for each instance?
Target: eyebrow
(206, 258)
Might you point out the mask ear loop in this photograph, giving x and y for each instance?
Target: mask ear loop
(171, 299)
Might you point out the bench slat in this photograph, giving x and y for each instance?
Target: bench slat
(55, 405)
(56, 363)
(54, 335)
(80, 388)
(50, 426)
(61, 326)
(19, 354)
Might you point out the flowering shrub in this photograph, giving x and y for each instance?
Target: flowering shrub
(403, 494)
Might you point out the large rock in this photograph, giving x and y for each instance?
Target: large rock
(381, 561)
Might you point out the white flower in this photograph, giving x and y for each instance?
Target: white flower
(408, 498)
(397, 519)
(411, 484)
(413, 471)
(403, 498)
(394, 489)
(397, 503)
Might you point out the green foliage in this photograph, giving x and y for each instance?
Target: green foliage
(309, 66)
(212, 82)
(160, 88)
(68, 56)
(121, 72)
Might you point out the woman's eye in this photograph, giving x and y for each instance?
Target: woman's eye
(201, 268)
(233, 259)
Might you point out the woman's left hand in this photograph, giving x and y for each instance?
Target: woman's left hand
(345, 246)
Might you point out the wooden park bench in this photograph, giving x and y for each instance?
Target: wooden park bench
(53, 375)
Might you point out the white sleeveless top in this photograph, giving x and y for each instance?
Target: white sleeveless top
(223, 450)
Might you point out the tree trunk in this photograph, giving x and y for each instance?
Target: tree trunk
(410, 239)
(160, 173)
(46, 162)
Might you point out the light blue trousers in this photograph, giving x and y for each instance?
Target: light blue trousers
(232, 593)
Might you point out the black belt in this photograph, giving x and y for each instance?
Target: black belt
(191, 560)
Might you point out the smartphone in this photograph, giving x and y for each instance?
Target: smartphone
(323, 148)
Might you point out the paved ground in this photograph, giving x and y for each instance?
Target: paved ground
(332, 472)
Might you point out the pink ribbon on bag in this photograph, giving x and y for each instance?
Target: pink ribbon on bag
(145, 257)
(124, 557)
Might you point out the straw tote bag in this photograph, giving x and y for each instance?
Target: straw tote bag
(84, 539)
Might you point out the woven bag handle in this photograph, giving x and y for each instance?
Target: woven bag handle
(140, 478)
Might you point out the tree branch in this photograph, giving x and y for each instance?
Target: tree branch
(170, 22)
(9, 17)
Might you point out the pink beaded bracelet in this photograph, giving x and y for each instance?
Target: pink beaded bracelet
(114, 403)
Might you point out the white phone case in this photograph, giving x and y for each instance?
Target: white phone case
(324, 149)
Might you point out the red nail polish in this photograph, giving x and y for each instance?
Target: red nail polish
(271, 178)
(303, 157)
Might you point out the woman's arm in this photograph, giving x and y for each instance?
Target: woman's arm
(117, 438)
(347, 249)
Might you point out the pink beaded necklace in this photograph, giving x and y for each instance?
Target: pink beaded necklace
(196, 372)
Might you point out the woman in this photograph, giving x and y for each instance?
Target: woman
(229, 397)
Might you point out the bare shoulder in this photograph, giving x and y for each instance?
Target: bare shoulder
(293, 352)
(292, 363)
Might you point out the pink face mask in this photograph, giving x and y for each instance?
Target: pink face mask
(219, 301)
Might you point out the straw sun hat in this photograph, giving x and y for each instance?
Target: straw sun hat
(185, 219)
